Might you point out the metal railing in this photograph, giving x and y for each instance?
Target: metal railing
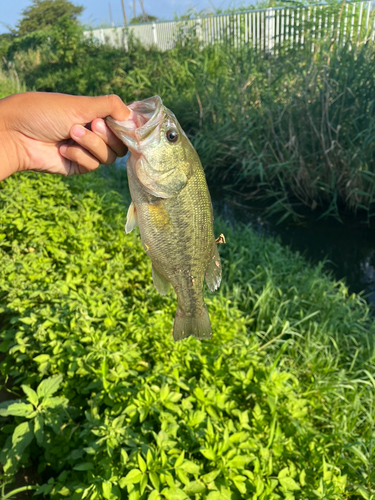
(264, 29)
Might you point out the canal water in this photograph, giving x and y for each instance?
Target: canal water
(348, 247)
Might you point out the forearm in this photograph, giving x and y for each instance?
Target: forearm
(9, 154)
(9, 163)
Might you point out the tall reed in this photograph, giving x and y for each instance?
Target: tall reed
(9, 81)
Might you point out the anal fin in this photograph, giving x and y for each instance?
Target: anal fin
(160, 283)
(131, 218)
(213, 271)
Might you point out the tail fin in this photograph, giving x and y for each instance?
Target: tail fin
(198, 326)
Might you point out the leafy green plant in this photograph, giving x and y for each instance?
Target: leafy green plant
(278, 405)
(40, 409)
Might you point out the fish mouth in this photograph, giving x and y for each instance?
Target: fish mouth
(142, 126)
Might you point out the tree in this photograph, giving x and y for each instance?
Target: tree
(5, 40)
(147, 18)
(43, 14)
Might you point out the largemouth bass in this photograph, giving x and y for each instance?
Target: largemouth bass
(172, 206)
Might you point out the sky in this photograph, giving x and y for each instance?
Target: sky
(97, 11)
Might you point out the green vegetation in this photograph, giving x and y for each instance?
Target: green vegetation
(293, 129)
(98, 401)
(146, 18)
(43, 14)
(5, 41)
(103, 404)
(10, 83)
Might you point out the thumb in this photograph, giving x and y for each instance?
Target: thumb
(102, 106)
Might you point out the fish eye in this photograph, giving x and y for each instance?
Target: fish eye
(172, 135)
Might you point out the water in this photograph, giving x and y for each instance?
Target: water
(349, 247)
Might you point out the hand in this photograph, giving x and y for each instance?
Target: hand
(58, 133)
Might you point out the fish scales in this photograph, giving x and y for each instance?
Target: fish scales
(189, 221)
(171, 205)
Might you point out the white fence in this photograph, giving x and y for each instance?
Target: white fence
(264, 29)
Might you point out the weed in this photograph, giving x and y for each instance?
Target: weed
(278, 404)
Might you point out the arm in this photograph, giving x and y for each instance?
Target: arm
(58, 133)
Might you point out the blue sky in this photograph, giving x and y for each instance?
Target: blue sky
(96, 11)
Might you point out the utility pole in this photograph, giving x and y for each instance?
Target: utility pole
(124, 13)
(145, 18)
(134, 14)
(110, 13)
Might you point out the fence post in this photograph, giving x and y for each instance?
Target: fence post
(154, 33)
(198, 29)
(125, 39)
(270, 30)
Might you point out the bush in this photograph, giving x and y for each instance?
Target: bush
(277, 405)
(10, 83)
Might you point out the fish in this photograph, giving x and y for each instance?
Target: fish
(172, 207)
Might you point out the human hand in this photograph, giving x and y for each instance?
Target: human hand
(58, 133)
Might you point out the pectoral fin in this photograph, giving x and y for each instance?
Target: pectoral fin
(131, 218)
(159, 184)
(213, 271)
(160, 283)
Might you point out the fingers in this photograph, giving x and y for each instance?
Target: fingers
(93, 144)
(80, 160)
(102, 106)
(89, 148)
(100, 128)
(111, 105)
(100, 144)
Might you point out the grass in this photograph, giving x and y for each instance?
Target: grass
(278, 405)
(100, 403)
(10, 83)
